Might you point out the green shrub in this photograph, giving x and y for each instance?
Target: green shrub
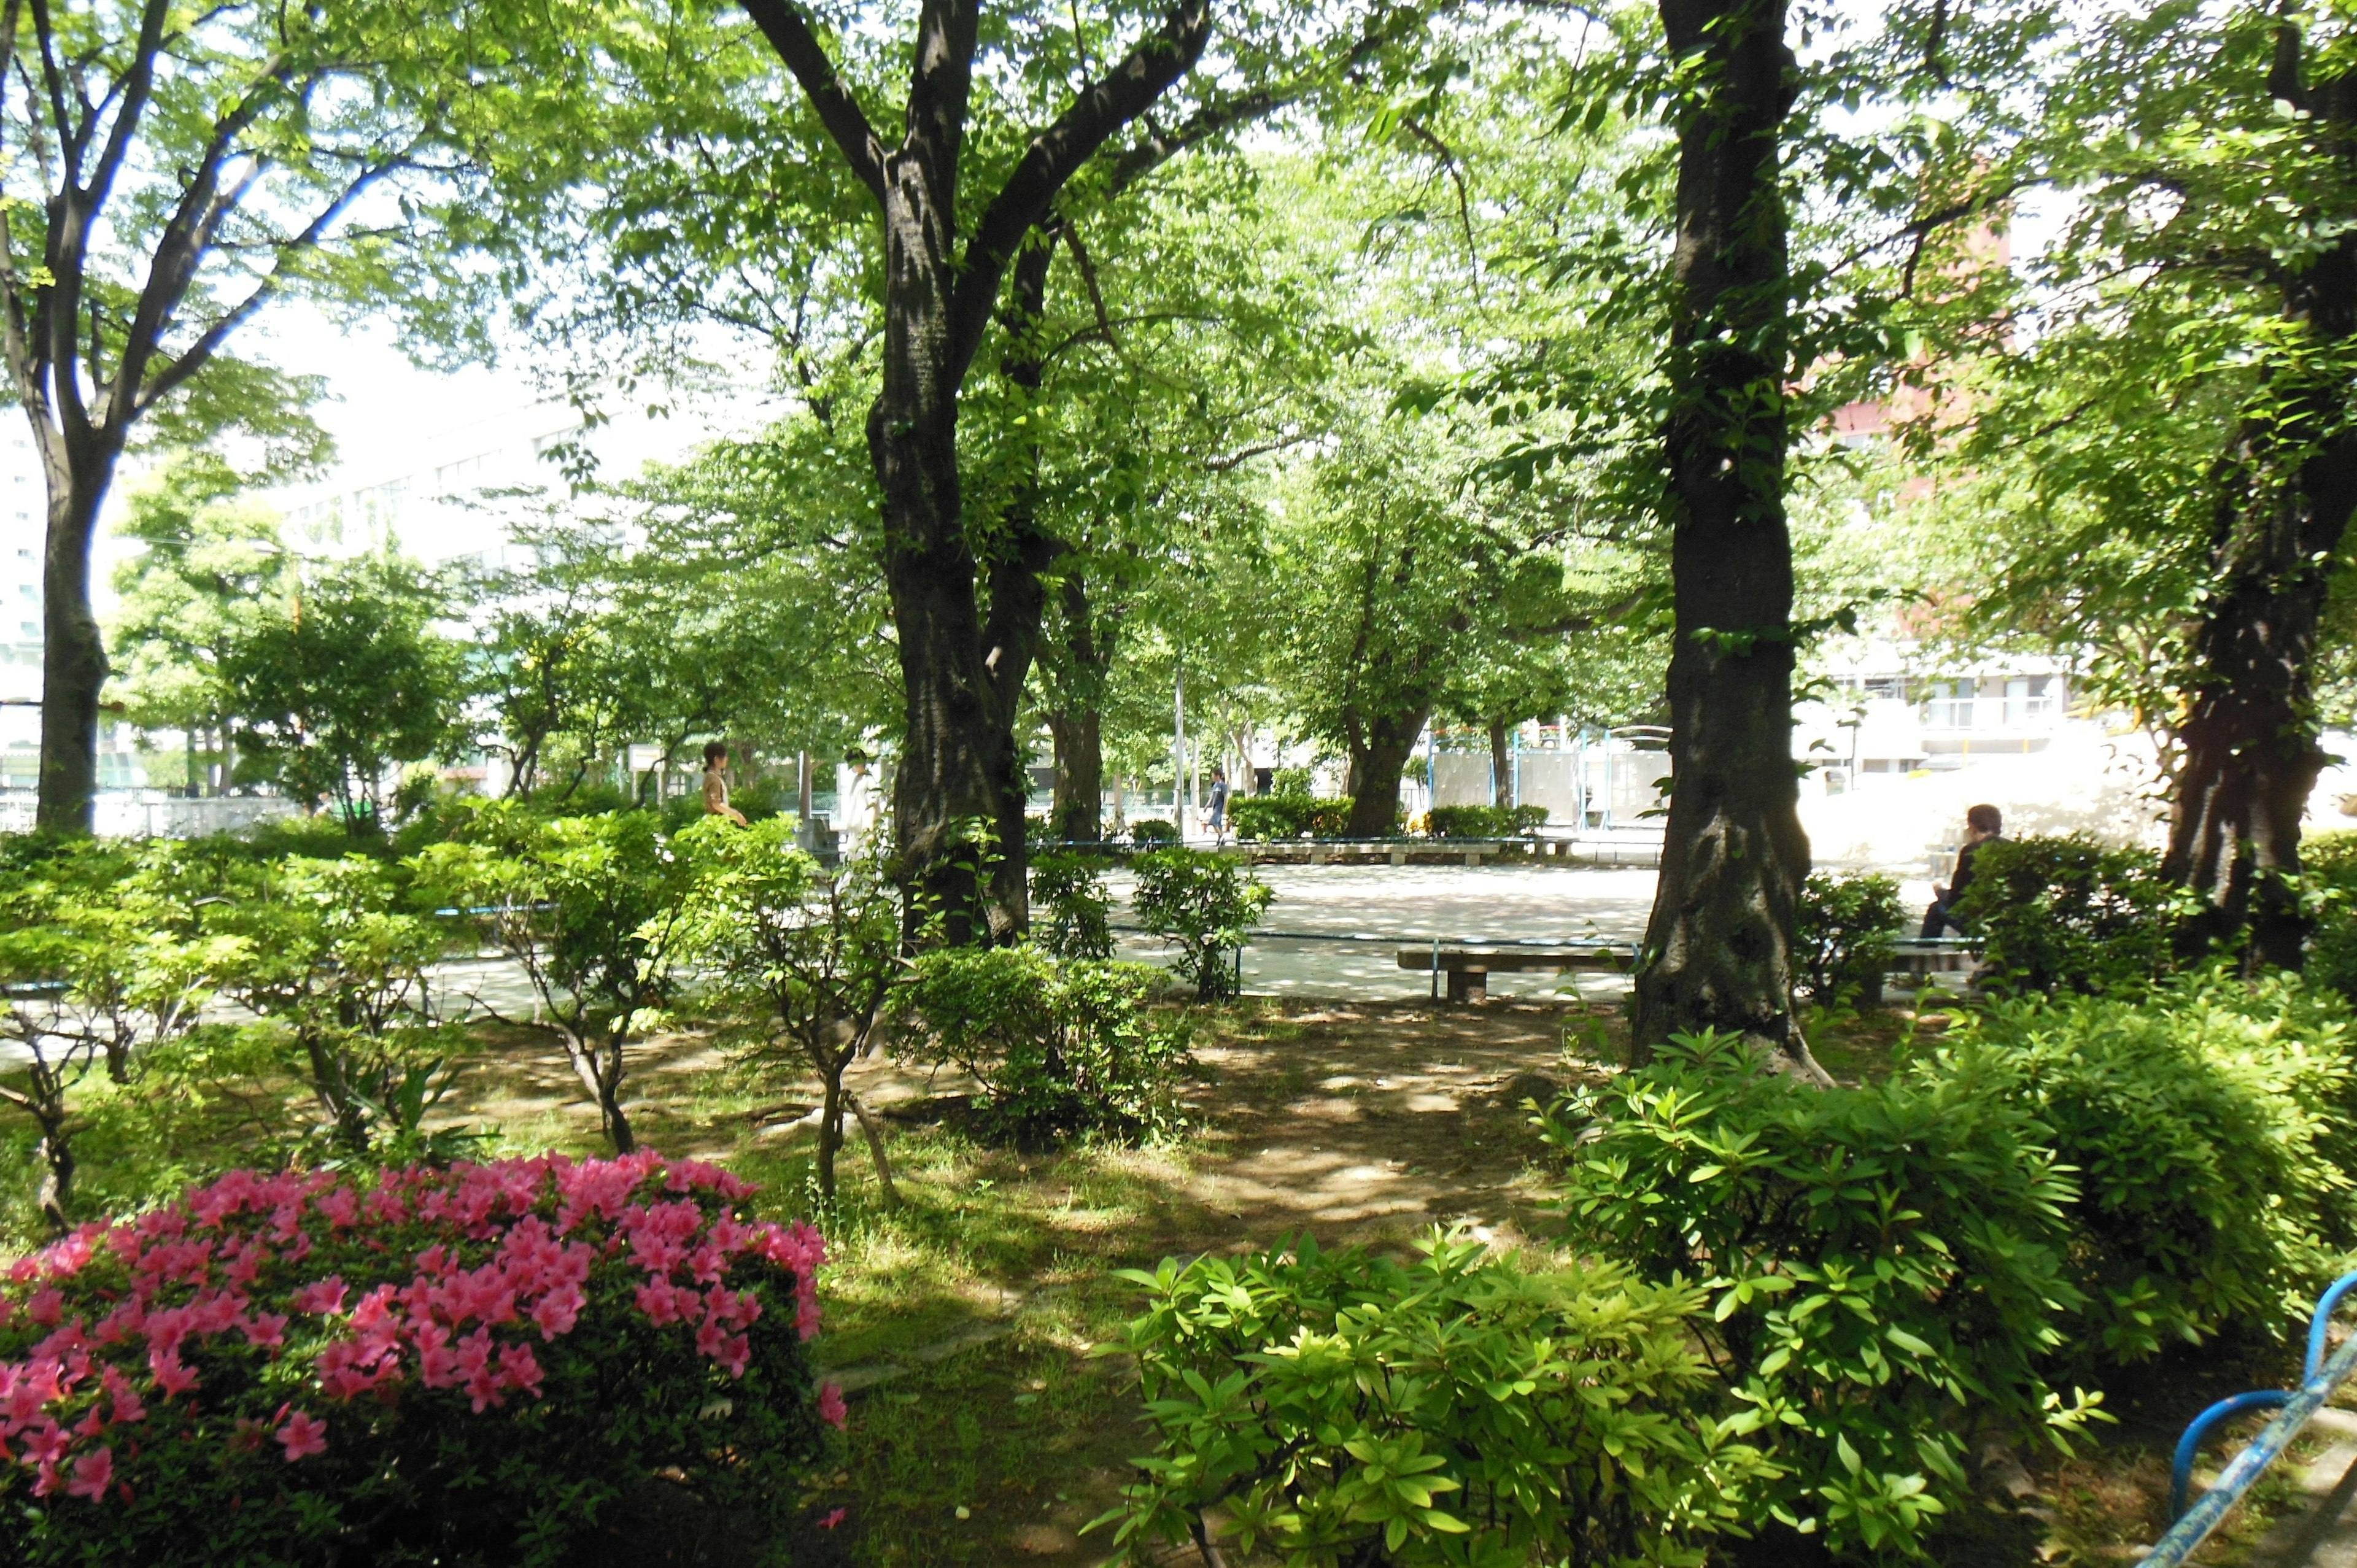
(1207, 905)
(1278, 817)
(1292, 782)
(2209, 1123)
(583, 906)
(1843, 936)
(1487, 821)
(1258, 817)
(1078, 910)
(2069, 913)
(804, 958)
(1059, 1048)
(1152, 830)
(475, 1367)
(2330, 862)
(1343, 1408)
(325, 953)
(1882, 1266)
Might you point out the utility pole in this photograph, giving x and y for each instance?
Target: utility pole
(1179, 752)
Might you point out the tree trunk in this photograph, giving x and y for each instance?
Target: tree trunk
(830, 1133)
(57, 1157)
(1377, 760)
(600, 1072)
(875, 1136)
(2250, 735)
(1718, 947)
(73, 654)
(1087, 657)
(958, 769)
(1501, 767)
(1080, 774)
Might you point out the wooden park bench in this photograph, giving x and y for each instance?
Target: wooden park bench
(1469, 968)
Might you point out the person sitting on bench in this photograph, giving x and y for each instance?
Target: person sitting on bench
(1983, 825)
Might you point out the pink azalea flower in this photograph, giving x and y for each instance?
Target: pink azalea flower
(323, 1297)
(92, 1473)
(831, 1408)
(303, 1435)
(832, 1520)
(171, 1377)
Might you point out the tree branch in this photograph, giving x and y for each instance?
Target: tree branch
(1058, 153)
(789, 32)
(200, 353)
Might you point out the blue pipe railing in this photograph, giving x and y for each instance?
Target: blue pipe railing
(2319, 1379)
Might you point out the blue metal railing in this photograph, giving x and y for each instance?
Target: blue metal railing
(2319, 1377)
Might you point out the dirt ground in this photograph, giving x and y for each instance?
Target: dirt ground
(988, 1428)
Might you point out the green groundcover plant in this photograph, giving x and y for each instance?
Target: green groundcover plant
(1884, 1267)
(1341, 1407)
(467, 1366)
(2209, 1125)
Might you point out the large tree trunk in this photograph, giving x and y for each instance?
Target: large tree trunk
(958, 767)
(2251, 750)
(1379, 754)
(73, 654)
(1501, 767)
(1718, 947)
(1079, 726)
(954, 763)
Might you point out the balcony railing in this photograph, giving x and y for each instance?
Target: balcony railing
(1988, 713)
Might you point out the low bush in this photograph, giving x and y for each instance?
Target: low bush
(584, 906)
(1204, 902)
(2070, 914)
(1070, 888)
(1058, 1047)
(1487, 821)
(1152, 831)
(2329, 862)
(804, 958)
(1844, 934)
(1882, 1266)
(2209, 1125)
(1276, 817)
(1337, 1407)
(470, 1367)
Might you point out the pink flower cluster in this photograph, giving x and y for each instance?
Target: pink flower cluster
(112, 1312)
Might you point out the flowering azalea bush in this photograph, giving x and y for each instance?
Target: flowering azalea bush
(456, 1366)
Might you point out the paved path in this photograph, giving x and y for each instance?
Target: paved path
(1396, 905)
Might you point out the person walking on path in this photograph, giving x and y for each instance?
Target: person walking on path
(1983, 825)
(1219, 805)
(715, 783)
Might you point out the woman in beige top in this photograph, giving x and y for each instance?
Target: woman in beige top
(715, 783)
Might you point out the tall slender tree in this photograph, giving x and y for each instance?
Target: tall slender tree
(175, 169)
(1717, 948)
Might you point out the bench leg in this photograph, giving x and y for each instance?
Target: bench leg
(1469, 985)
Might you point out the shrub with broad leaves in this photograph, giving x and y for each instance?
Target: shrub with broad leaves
(2210, 1125)
(471, 1366)
(1070, 889)
(1845, 935)
(1485, 821)
(1337, 1407)
(2067, 913)
(1204, 904)
(1884, 1266)
(1058, 1047)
